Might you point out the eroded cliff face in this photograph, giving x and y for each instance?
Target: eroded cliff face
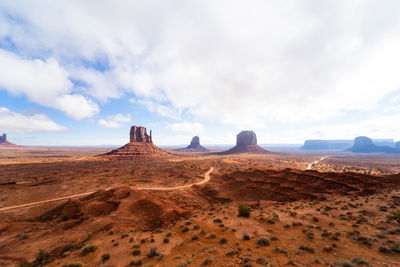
(139, 134)
(245, 138)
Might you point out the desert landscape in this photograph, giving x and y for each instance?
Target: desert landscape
(140, 205)
(199, 133)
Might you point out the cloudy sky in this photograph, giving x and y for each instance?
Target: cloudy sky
(82, 72)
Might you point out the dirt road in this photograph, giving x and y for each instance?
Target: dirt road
(32, 204)
(309, 166)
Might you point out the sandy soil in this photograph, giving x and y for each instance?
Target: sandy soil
(307, 217)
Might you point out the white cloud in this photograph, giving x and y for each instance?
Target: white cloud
(115, 121)
(77, 106)
(192, 127)
(12, 122)
(243, 64)
(45, 83)
(163, 110)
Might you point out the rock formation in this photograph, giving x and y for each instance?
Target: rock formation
(3, 138)
(246, 142)
(139, 134)
(363, 144)
(194, 146)
(4, 142)
(397, 144)
(326, 144)
(140, 145)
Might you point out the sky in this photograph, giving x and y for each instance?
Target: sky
(82, 72)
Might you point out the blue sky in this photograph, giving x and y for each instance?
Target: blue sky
(82, 72)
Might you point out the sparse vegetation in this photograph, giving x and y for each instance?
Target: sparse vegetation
(243, 211)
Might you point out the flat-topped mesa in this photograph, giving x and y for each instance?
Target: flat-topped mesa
(246, 138)
(3, 138)
(139, 134)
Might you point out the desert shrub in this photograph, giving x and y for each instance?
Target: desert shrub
(315, 219)
(262, 241)
(185, 229)
(195, 237)
(307, 249)
(223, 240)
(166, 240)
(207, 262)
(42, 258)
(232, 252)
(243, 211)
(212, 235)
(153, 252)
(105, 257)
(88, 249)
(274, 238)
(245, 236)
(136, 263)
(136, 246)
(136, 252)
(394, 216)
(280, 250)
(196, 227)
(168, 234)
(217, 221)
(343, 264)
(73, 264)
(360, 261)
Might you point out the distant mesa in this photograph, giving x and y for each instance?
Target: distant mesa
(397, 144)
(363, 144)
(5, 143)
(326, 144)
(194, 146)
(341, 144)
(246, 142)
(140, 145)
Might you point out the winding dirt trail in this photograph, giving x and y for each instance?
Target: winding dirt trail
(36, 203)
(309, 166)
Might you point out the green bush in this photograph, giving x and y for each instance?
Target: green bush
(243, 210)
(262, 241)
(88, 249)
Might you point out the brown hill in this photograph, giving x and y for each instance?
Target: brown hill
(246, 142)
(140, 145)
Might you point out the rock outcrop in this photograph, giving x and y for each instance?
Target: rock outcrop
(5, 143)
(246, 142)
(363, 144)
(140, 145)
(194, 146)
(139, 134)
(3, 138)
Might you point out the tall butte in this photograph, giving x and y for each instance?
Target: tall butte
(4, 142)
(194, 146)
(246, 142)
(140, 145)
